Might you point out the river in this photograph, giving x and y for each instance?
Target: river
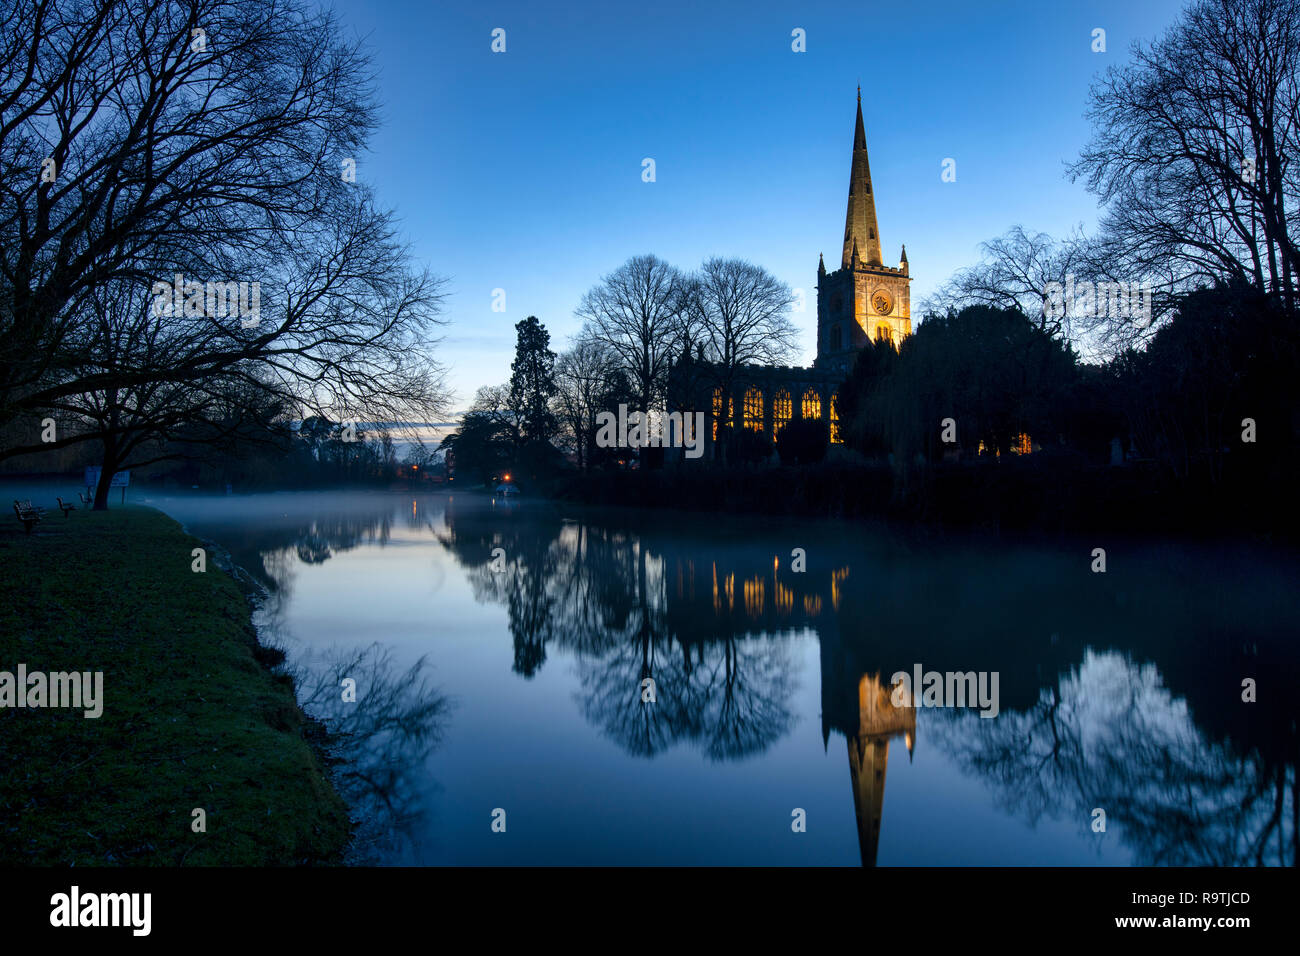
(504, 657)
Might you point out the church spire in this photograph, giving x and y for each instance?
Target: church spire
(860, 223)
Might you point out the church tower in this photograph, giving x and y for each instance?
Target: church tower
(863, 299)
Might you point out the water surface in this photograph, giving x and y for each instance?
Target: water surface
(500, 654)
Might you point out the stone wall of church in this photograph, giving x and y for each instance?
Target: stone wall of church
(839, 334)
(849, 312)
(888, 289)
(760, 397)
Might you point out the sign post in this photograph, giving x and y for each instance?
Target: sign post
(120, 479)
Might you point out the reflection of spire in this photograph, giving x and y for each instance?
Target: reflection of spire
(868, 760)
(878, 721)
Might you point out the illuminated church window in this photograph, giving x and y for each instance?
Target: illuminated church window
(782, 411)
(883, 334)
(812, 404)
(784, 598)
(835, 419)
(837, 579)
(754, 409)
(755, 597)
(720, 418)
(727, 590)
(1022, 445)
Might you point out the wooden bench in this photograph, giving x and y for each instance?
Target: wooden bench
(28, 515)
(65, 508)
(87, 501)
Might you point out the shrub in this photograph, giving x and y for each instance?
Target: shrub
(803, 442)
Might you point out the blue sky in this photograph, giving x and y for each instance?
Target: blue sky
(522, 170)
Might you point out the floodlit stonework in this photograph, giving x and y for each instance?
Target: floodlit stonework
(863, 300)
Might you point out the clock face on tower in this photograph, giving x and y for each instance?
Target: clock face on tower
(881, 302)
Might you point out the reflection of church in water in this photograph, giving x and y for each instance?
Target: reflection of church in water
(869, 721)
(741, 597)
(862, 300)
(719, 621)
(710, 620)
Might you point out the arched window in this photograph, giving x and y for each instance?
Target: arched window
(721, 417)
(835, 419)
(884, 333)
(812, 404)
(837, 340)
(754, 409)
(782, 411)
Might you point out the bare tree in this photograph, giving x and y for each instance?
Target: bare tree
(639, 312)
(1195, 149)
(493, 406)
(583, 376)
(740, 310)
(1014, 272)
(141, 140)
(1019, 270)
(134, 420)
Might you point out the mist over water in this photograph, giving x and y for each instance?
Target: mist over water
(513, 679)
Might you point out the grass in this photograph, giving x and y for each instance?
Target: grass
(193, 716)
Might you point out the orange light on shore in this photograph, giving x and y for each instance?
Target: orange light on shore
(507, 477)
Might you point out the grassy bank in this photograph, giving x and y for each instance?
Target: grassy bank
(192, 715)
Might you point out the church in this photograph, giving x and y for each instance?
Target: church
(861, 300)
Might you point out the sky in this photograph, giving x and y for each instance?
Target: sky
(522, 170)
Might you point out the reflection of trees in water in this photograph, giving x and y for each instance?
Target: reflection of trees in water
(583, 587)
(271, 550)
(316, 541)
(602, 594)
(683, 605)
(730, 699)
(314, 548)
(1109, 735)
(382, 742)
(523, 586)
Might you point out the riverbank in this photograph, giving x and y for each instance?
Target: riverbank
(1046, 494)
(193, 716)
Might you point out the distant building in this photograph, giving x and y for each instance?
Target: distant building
(862, 300)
